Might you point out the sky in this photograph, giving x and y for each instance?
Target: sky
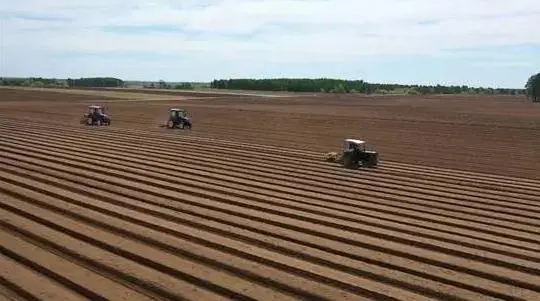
(492, 43)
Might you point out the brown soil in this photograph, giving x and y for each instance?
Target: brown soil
(243, 207)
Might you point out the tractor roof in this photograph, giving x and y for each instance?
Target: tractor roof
(355, 141)
(95, 106)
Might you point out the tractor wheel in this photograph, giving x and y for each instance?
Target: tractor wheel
(98, 122)
(181, 125)
(89, 121)
(170, 124)
(348, 162)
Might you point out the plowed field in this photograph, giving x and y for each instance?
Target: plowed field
(242, 207)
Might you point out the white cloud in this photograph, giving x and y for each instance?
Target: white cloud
(334, 27)
(275, 30)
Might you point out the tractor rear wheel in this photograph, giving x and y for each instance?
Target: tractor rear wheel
(349, 162)
(89, 121)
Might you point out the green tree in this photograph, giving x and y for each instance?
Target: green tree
(339, 88)
(533, 87)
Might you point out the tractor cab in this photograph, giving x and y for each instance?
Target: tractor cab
(96, 110)
(354, 144)
(178, 113)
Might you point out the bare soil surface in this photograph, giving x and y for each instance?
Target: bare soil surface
(243, 207)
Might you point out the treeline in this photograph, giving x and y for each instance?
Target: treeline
(294, 85)
(87, 82)
(328, 85)
(62, 83)
(161, 84)
(108, 82)
(325, 85)
(438, 89)
(33, 82)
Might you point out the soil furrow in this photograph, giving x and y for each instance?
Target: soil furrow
(286, 161)
(428, 194)
(194, 188)
(221, 282)
(77, 278)
(220, 150)
(366, 219)
(348, 237)
(182, 249)
(302, 155)
(286, 154)
(34, 285)
(14, 292)
(172, 217)
(77, 248)
(358, 180)
(378, 223)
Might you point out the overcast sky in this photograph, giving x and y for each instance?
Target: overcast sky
(473, 42)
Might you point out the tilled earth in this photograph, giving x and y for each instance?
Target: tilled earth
(243, 207)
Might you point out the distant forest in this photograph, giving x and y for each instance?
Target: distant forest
(59, 83)
(88, 82)
(324, 85)
(328, 85)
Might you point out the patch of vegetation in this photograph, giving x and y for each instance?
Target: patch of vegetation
(33, 82)
(40, 82)
(161, 84)
(101, 82)
(533, 87)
